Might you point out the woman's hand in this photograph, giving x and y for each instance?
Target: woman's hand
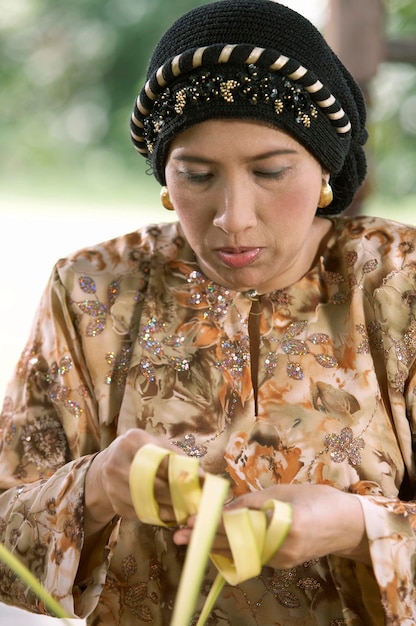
(325, 521)
(107, 493)
(107, 490)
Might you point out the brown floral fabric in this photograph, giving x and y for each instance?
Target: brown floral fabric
(130, 333)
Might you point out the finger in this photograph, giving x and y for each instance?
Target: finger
(182, 536)
(163, 470)
(221, 547)
(162, 492)
(167, 514)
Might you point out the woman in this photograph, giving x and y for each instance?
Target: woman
(263, 334)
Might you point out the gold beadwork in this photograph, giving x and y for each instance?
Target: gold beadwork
(253, 84)
(326, 196)
(180, 102)
(165, 199)
(157, 105)
(226, 89)
(278, 106)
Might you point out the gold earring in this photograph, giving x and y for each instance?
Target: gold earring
(326, 196)
(165, 199)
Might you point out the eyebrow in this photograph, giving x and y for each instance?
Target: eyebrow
(258, 157)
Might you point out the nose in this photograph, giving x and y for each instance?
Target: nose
(235, 211)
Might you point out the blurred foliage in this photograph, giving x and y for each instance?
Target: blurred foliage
(393, 112)
(69, 74)
(71, 70)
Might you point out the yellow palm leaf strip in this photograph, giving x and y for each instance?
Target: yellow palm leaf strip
(277, 529)
(142, 478)
(253, 541)
(214, 493)
(185, 487)
(31, 581)
(245, 530)
(211, 599)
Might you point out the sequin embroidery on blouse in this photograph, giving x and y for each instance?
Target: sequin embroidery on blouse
(291, 345)
(94, 308)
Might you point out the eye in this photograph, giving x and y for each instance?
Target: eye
(196, 177)
(269, 174)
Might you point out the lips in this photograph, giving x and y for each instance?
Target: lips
(238, 257)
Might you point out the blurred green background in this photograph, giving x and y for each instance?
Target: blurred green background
(70, 72)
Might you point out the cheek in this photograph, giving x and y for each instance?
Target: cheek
(193, 222)
(189, 210)
(182, 198)
(301, 200)
(295, 207)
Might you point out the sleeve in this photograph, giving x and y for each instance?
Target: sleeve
(391, 521)
(49, 434)
(391, 531)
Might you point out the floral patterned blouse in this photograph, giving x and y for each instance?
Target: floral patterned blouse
(130, 333)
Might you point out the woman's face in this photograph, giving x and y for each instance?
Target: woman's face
(246, 196)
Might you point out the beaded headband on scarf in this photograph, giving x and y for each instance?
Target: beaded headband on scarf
(303, 89)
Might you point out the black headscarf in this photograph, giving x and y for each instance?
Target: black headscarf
(254, 59)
